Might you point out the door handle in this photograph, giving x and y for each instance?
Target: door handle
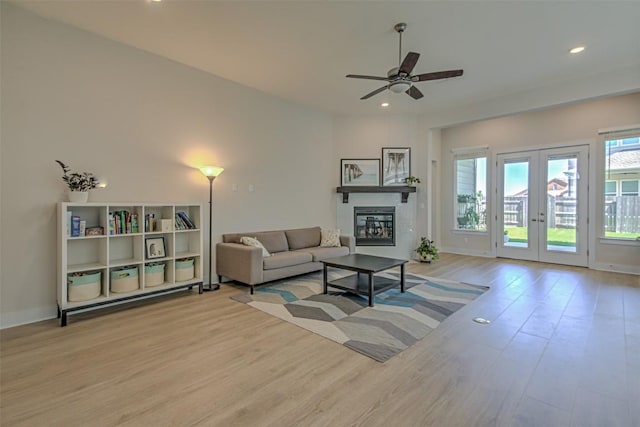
(533, 219)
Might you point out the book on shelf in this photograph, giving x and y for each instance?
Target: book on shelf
(69, 215)
(75, 226)
(83, 228)
(134, 223)
(187, 220)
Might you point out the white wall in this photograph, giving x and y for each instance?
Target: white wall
(143, 122)
(363, 137)
(577, 122)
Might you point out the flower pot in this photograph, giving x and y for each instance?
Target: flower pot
(426, 257)
(78, 196)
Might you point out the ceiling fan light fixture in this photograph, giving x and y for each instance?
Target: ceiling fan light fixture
(400, 86)
(577, 49)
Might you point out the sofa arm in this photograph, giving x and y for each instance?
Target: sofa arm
(350, 242)
(239, 262)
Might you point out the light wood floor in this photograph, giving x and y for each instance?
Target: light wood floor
(563, 349)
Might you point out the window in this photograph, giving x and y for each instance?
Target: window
(622, 185)
(629, 188)
(471, 189)
(610, 189)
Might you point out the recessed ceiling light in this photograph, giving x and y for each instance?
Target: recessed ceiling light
(384, 104)
(577, 49)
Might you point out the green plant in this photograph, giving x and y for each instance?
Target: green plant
(467, 198)
(83, 181)
(506, 232)
(427, 247)
(410, 180)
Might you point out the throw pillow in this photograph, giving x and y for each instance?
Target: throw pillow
(252, 241)
(330, 238)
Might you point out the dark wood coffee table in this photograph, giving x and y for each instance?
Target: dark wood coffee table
(367, 283)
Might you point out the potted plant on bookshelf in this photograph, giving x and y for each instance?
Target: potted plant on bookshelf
(79, 183)
(427, 251)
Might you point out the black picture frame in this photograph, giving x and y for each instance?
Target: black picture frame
(360, 172)
(155, 247)
(396, 166)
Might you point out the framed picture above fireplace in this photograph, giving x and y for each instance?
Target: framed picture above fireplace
(396, 165)
(360, 172)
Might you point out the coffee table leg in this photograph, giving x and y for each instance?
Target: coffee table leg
(370, 289)
(324, 279)
(402, 278)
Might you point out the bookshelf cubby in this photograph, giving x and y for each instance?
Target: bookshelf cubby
(123, 247)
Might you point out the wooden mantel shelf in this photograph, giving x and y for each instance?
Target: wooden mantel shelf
(402, 189)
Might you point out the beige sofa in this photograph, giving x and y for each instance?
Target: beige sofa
(293, 252)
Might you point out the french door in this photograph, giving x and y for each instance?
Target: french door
(542, 205)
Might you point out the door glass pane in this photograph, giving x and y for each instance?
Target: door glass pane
(516, 204)
(562, 203)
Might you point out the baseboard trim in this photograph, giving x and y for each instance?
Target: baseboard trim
(10, 320)
(457, 251)
(616, 268)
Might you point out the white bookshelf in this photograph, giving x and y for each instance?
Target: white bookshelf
(106, 252)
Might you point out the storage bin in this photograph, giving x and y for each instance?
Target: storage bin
(83, 286)
(124, 279)
(153, 274)
(184, 269)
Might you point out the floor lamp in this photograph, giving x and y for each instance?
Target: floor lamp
(211, 172)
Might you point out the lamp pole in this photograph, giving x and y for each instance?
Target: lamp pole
(211, 172)
(217, 286)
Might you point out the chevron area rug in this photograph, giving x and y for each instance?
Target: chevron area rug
(397, 321)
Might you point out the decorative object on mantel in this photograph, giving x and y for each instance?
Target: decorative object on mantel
(412, 180)
(392, 189)
(427, 251)
(79, 183)
(211, 172)
(359, 172)
(396, 165)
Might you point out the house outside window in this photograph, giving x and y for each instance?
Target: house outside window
(622, 187)
(470, 192)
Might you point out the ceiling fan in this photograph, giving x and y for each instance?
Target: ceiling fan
(399, 79)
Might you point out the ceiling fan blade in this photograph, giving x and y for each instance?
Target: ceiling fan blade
(375, 92)
(414, 92)
(358, 76)
(409, 62)
(437, 75)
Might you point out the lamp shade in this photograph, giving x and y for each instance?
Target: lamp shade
(210, 171)
(399, 86)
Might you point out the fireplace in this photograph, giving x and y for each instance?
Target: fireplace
(374, 226)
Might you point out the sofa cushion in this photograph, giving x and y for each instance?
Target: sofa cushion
(273, 241)
(303, 238)
(318, 253)
(250, 241)
(286, 259)
(330, 238)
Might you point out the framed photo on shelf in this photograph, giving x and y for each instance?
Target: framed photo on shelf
(396, 165)
(359, 172)
(155, 247)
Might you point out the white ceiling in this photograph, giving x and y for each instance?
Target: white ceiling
(302, 50)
